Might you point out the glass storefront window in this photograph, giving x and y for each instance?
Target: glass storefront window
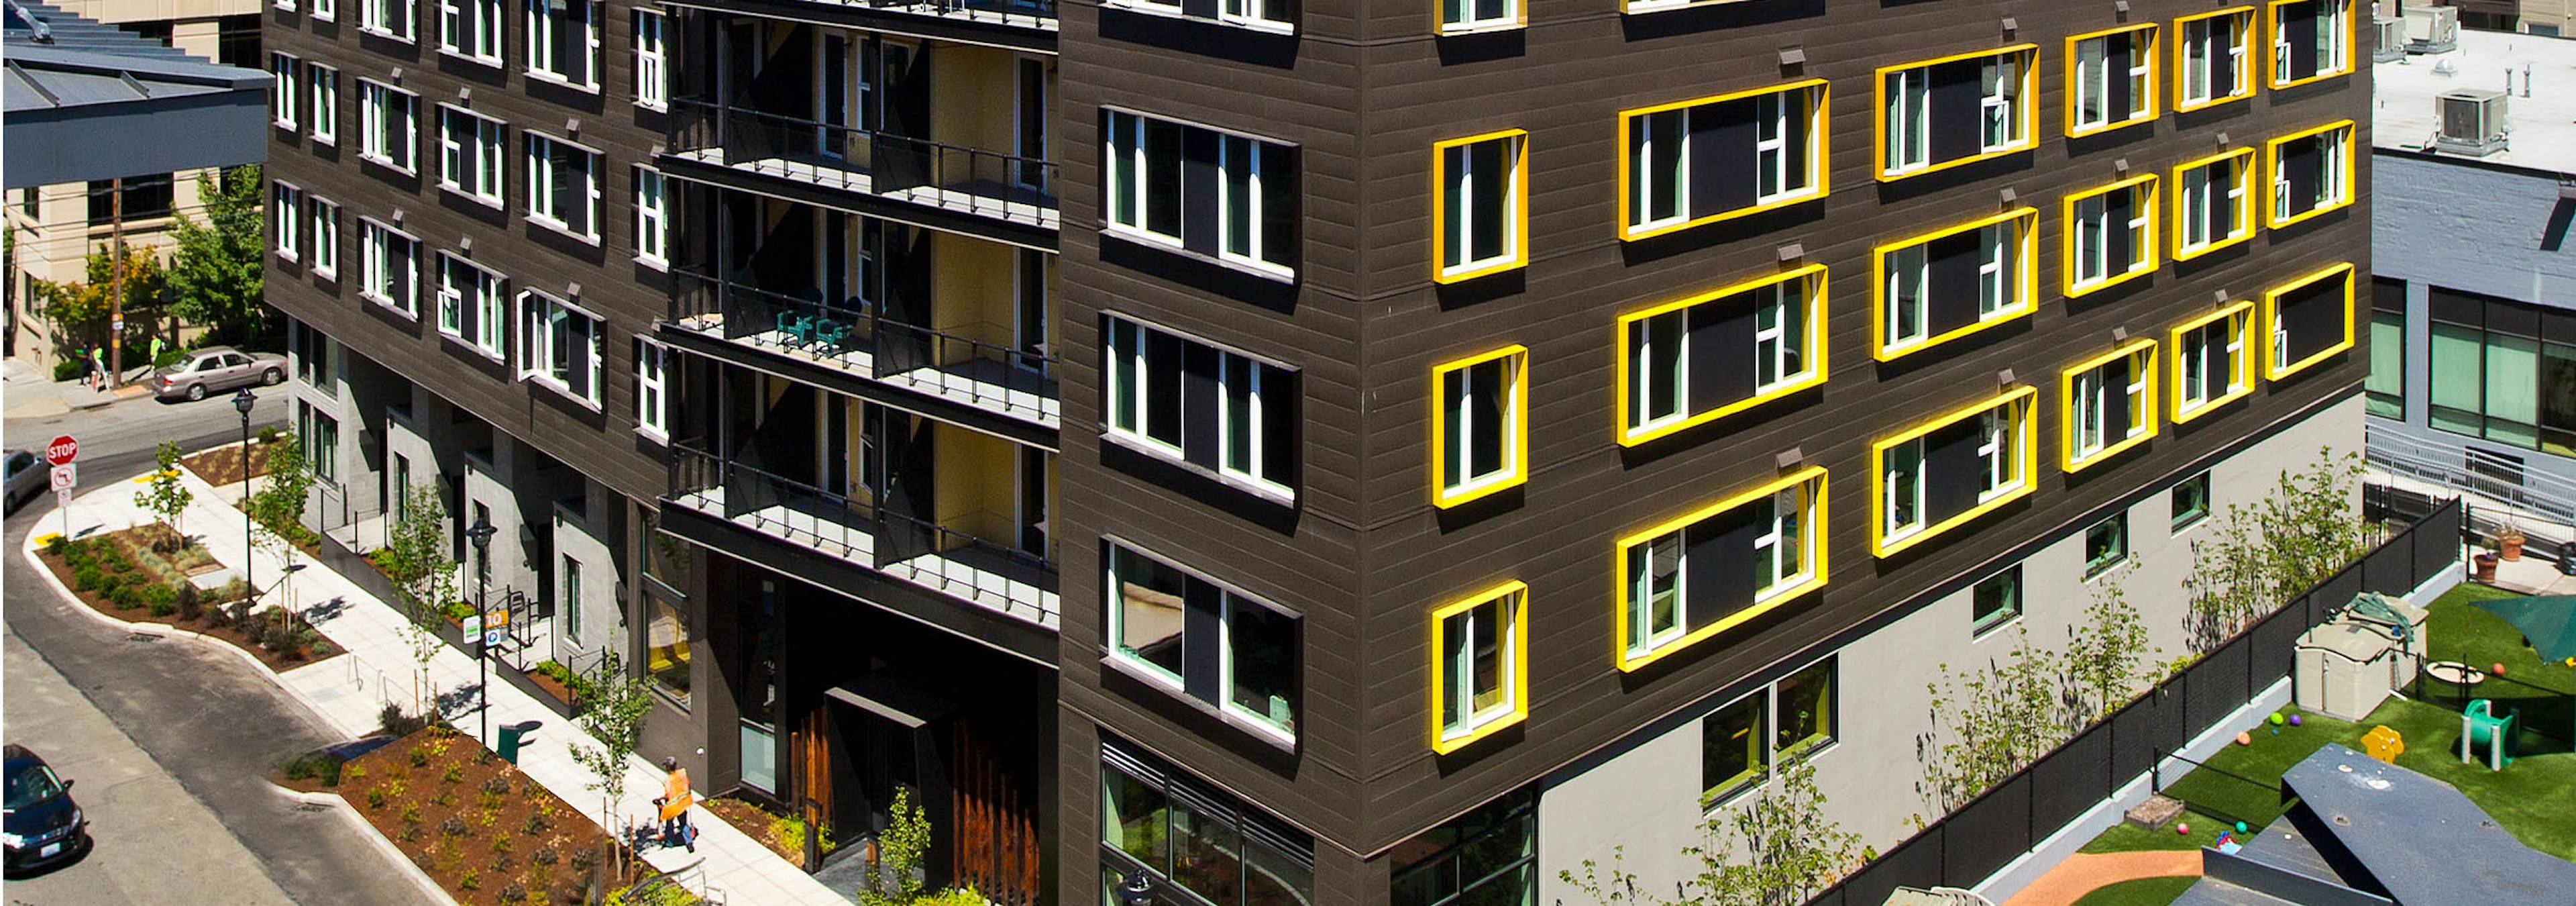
(666, 647)
(1194, 840)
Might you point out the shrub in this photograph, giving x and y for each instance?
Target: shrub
(67, 369)
(353, 773)
(161, 600)
(491, 801)
(501, 844)
(536, 825)
(470, 880)
(57, 544)
(86, 577)
(455, 773)
(419, 759)
(391, 721)
(299, 768)
(443, 800)
(543, 855)
(498, 786)
(376, 796)
(513, 893)
(453, 827)
(125, 597)
(411, 813)
(410, 834)
(190, 602)
(268, 435)
(584, 858)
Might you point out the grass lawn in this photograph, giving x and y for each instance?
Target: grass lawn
(2139, 892)
(2532, 798)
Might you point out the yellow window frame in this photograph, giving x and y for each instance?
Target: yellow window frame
(2154, 106)
(1629, 436)
(2181, 64)
(2025, 442)
(2144, 351)
(2272, 166)
(2242, 173)
(2029, 110)
(1440, 188)
(1820, 137)
(1520, 19)
(1517, 655)
(2272, 25)
(2241, 370)
(1518, 439)
(2272, 314)
(2026, 283)
(2148, 204)
(1629, 662)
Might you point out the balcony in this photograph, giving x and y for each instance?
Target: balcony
(1028, 14)
(967, 190)
(855, 530)
(852, 338)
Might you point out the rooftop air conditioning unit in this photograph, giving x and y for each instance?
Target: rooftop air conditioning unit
(2473, 121)
(2392, 40)
(2432, 29)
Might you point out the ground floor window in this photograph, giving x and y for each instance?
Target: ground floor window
(1181, 834)
(1996, 600)
(1487, 857)
(321, 440)
(666, 647)
(2106, 544)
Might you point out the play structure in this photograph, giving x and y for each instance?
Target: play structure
(2480, 727)
(2348, 664)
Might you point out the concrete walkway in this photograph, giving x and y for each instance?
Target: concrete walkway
(2084, 872)
(35, 394)
(348, 692)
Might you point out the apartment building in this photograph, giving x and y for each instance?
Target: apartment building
(2473, 337)
(468, 235)
(53, 228)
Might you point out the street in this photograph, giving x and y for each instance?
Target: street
(169, 740)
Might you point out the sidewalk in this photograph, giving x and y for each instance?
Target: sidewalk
(33, 394)
(349, 690)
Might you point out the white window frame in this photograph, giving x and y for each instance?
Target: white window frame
(652, 390)
(2090, 433)
(1771, 155)
(324, 82)
(652, 60)
(1644, 637)
(1131, 338)
(2203, 41)
(2193, 350)
(2197, 231)
(1650, 362)
(1467, 22)
(394, 19)
(2333, 18)
(1457, 677)
(1462, 178)
(1909, 280)
(1459, 423)
(1130, 127)
(282, 92)
(2330, 161)
(1774, 344)
(1233, 367)
(1909, 121)
(1650, 183)
(324, 10)
(380, 133)
(326, 237)
(483, 161)
(1999, 103)
(471, 29)
(1905, 458)
(537, 346)
(1997, 264)
(539, 44)
(1228, 147)
(652, 218)
(1792, 527)
(542, 178)
(1995, 453)
(374, 239)
(491, 308)
(286, 213)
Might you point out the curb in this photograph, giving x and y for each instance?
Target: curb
(334, 803)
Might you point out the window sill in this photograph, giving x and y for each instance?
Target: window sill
(387, 164)
(1446, 498)
(654, 262)
(2008, 315)
(1159, 452)
(657, 436)
(2307, 215)
(1161, 243)
(2182, 414)
(1981, 633)
(455, 54)
(1734, 788)
(1889, 547)
(2094, 571)
(389, 305)
(1886, 175)
(2220, 101)
(1442, 744)
(561, 389)
(2188, 252)
(558, 226)
(2285, 371)
(469, 345)
(326, 273)
(2074, 290)
(330, 140)
(1630, 661)
(2310, 80)
(1638, 436)
(1471, 272)
(1481, 28)
(322, 16)
(492, 203)
(286, 126)
(540, 75)
(2196, 521)
(652, 106)
(373, 31)
(1174, 12)
(1257, 729)
(1665, 6)
(2088, 460)
(1632, 234)
(2140, 118)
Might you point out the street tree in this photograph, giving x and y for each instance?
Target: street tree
(416, 557)
(166, 497)
(215, 268)
(614, 718)
(81, 309)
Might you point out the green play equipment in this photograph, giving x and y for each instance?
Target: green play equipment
(2479, 726)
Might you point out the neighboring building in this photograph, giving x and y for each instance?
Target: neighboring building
(1410, 473)
(54, 227)
(2473, 288)
(465, 232)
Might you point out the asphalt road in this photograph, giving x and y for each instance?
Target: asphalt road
(208, 720)
(139, 424)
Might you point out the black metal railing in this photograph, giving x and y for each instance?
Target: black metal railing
(1003, 377)
(1972, 842)
(771, 502)
(991, 568)
(1008, 12)
(909, 168)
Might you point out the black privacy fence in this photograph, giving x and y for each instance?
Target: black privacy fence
(1968, 845)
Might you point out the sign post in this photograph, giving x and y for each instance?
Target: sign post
(59, 453)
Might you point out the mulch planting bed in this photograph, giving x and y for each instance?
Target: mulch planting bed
(223, 465)
(756, 823)
(138, 591)
(484, 831)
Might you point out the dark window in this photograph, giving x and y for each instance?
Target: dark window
(1206, 642)
(2501, 370)
(1996, 600)
(1486, 857)
(237, 41)
(146, 196)
(1156, 821)
(1806, 720)
(1735, 751)
(156, 31)
(2106, 544)
(2190, 501)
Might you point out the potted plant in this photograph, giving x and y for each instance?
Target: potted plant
(2509, 543)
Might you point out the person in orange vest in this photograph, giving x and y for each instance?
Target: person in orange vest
(675, 801)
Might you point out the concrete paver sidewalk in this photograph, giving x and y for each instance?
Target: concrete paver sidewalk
(349, 691)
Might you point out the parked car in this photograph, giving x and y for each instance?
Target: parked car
(27, 478)
(215, 369)
(44, 827)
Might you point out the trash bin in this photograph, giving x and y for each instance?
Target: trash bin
(511, 734)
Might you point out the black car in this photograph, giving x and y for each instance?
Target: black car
(43, 826)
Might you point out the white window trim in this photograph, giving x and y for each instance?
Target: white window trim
(1647, 364)
(2197, 212)
(2195, 351)
(376, 119)
(2004, 104)
(2330, 163)
(529, 42)
(1643, 189)
(1997, 453)
(290, 235)
(653, 94)
(1139, 434)
(490, 196)
(1122, 327)
(325, 122)
(1891, 531)
(284, 92)
(1252, 369)
(1770, 543)
(490, 13)
(1460, 423)
(1155, 673)
(1225, 202)
(326, 243)
(540, 374)
(376, 17)
(1913, 264)
(652, 381)
(1777, 299)
(325, 10)
(655, 217)
(1457, 678)
(369, 254)
(1997, 270)
(1460, 183)
(488, 321)
(536, 191)
(1510, 18)
(1909, 121)
(1173, 10)
(1135, 134)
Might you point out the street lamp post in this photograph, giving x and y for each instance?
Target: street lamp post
(481, 535)
(1138, 890)
(242, 402)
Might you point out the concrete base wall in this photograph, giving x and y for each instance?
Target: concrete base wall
(1646, 799)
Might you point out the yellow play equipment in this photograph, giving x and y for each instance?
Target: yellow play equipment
(2383, 743)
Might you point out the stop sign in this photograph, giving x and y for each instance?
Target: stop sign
(62, 450)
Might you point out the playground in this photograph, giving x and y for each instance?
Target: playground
(2530, 797)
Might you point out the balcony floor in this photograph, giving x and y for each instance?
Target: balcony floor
(981, 198)
(981, 384)
(960, 574)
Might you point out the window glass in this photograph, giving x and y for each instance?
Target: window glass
(1995, 600)
(1262, 651)
(2190, 501)
(1654, 592)
(1149, 609)
(1806, 709)
(1206, 850)
(1479, 650)
(1480, 431)
(1734, 751)
(1462, 15)
(1483, 858)
(2106, 544)
(1133, 817)
(666, 648)
(1480, 205)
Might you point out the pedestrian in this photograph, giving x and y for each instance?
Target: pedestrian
(675, 801)
(156, 352)
(97, 368)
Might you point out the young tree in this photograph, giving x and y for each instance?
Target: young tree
(166, 497)
(1989, 723)
(2107, 656)
(1776, 850)
(215, 269)
(416, 558)
(894, 876)
(2258, 556)
(281, 504)
(81, 309)
(614, 716)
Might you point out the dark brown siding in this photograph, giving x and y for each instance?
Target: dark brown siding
(600, 444)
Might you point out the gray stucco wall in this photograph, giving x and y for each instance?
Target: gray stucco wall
(2466, 227)
(1646, 799)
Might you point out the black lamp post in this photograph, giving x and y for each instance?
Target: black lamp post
(481, 535)
(242, 402)
(1138, 890)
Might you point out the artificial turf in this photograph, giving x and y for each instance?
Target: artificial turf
(2533, 798)
(2139, 892)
